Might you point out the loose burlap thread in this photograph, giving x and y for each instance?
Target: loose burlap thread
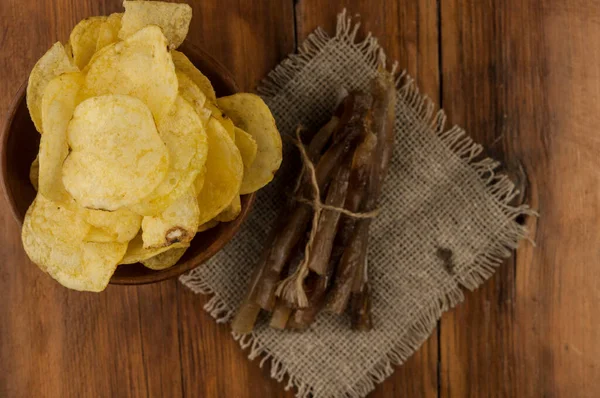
(445, 223)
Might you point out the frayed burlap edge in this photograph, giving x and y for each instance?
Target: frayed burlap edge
(500, 187)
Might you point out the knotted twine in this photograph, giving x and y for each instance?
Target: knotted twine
(292, 287)
(440, 196)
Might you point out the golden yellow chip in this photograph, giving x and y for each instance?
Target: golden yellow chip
(69, 52)
(174, 19)
(199, 181)
(111, 226)
(165, 260)
(109, 31)
(34, 172)
(185, 138)
(251, 114)
(52, 237)
(208, 225)
(55, 62)
(106, 50)
(232, 211)
(58, 105)
(136, 252)
(247, 146)
(140, 67)
(222, 118)
(192, 94)
(117, 157)
(83, 40)
(99, 235)
(224, 172)
(183, 64)
(178, 223)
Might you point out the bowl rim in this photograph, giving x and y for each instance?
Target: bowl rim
(157, 275)
(8, 121)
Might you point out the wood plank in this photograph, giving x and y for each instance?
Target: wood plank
(213, 363)
(159, 336)
(408, 33)
(522, 78)
(481, 330)
(249, 38)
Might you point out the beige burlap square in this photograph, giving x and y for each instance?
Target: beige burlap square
(441, 197)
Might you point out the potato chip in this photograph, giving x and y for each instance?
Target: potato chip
(99, 235)
(55, 62)
(190, 91)
(98, 54)
(109, 31)
(178, 223)
(136, 251)
(185, 138)
(111, 226)
(208, 225)
(83, 39)
(165, 260)
(199, 181)
(183, 64)
(192, 94)
(58, 105)
(52, 239)
(251, 114)
(34, 172)
(69, 52)
(231, 212)
(64, 224)
(247, 146)
(224, 172)
(109, 167)
(140, 67)
(223, 119)
(174, 19)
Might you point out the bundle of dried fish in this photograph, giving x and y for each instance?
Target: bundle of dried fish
(336, 199)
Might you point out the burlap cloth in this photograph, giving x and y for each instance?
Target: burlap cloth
(446, 223)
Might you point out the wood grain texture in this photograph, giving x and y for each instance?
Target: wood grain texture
(407, 31)
(522, 77)
(477, 355)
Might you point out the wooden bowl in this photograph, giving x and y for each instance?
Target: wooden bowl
(19, 147)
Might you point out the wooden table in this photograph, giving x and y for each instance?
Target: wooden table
(523, 77)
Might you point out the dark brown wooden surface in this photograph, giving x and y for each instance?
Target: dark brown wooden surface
(521, 76)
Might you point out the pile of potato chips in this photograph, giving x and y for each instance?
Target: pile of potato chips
(136, 154)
